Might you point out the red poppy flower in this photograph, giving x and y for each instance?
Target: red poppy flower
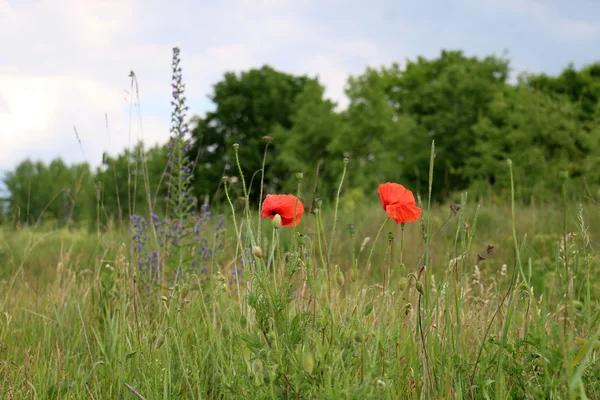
(399, 202)
(284, 205)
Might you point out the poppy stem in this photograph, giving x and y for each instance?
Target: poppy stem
(401, 246)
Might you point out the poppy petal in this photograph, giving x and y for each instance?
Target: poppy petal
(286, 205)
(403, 213)
(393, 193)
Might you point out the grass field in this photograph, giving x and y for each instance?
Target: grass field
(506, 307)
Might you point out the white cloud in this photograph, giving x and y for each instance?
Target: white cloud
(66, 62)
(43, 110)
(73, 68)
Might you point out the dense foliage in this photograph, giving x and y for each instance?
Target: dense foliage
(545, 124)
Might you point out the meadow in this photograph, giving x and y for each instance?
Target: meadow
(503, 304)
(390, 294)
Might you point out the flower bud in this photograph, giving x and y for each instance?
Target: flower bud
(236, 146)
(346, 160)
(563, 175)
(368, 309)
(420, 287)
(277, 221)
(257, 251)
(352, 229)
(354, 275)
(267, 139)
(339, 277)
(308, 362)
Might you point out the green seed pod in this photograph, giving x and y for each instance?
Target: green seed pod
(236, 146)
(308, 362)
(243, 321)
(563, 175)
(420, 288)
(299, 175)
(339, 277)
(352, 229)
(277, 221)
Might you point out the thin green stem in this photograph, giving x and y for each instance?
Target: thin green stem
(508, 292)
(335, 213)
(262, 181)
(239, 165)
(373, 246)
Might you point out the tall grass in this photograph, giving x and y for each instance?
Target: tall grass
(472, 301)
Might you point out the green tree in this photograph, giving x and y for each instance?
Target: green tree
(306, 145)
(539, 133)
(445, 96)
(248, 107)
(54, 193)
(133, 182)
(581, 87)
(374, 133)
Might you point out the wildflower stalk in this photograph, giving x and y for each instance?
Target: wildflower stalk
(272, 255)
(429, 218)
(402, 244)
(335, 213)
(235, 225)
(508, 292)
(237, 161)
(568, 303)
(324, 259)
(262, 181)
(373, 247)
(299, 176)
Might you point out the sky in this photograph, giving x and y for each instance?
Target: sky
(65, 64)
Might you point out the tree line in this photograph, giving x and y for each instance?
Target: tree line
(544, 124)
